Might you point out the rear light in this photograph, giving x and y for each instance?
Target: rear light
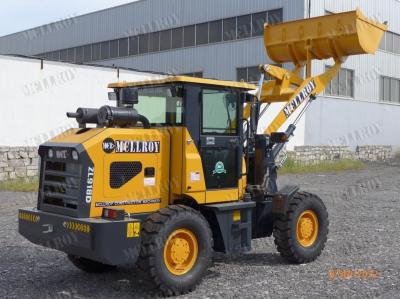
(114, 214)
(50, 153)
(75, 155)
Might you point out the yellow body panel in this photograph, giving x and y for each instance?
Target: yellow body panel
(222, 195)
(185, 79)
(137, 188)
(75, 135)
(193, 181)
(243, 180)
(177, 151)
(178, 170)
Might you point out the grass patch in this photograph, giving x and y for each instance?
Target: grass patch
(292, 166)
(20, 185)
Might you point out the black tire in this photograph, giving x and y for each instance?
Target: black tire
(89, 266)
(155, 232)
(285, 229)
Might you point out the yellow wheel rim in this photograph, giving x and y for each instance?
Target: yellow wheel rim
(307, 228)
(180, 251)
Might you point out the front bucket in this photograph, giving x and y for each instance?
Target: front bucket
(337, 35)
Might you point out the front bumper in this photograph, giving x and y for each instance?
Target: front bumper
(105, 241)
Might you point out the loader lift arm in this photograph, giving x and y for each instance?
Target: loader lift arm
(300, 42)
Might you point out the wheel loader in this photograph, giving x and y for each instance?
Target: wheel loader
(178, 168)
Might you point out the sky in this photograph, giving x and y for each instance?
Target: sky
(19, 15)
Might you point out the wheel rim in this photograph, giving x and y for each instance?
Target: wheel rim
(307, 228)
(180, 251)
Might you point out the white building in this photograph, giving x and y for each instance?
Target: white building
(35, 96)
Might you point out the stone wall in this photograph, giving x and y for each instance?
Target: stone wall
(22, 162)
(18, 162)
(316, 154)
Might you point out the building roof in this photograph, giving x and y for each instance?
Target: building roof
(185, 79)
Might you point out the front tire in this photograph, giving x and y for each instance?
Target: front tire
(89, 266)
(176, 249)
(301, 234)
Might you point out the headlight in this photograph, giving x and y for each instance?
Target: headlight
(50, 153)
(75, 155)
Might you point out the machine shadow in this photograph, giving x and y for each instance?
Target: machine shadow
(251, 259)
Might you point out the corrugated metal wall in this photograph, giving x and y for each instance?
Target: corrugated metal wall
(218, 60)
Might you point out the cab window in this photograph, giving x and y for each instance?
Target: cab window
(160, 106)
(219, 112)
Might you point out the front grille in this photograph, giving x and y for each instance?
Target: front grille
(123, 172)
(60, 185)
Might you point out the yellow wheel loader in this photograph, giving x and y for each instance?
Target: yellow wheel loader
(177, 169)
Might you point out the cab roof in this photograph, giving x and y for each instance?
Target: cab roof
(185, 79)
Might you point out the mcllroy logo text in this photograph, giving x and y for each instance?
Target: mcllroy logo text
(296, 102)
(130, 146)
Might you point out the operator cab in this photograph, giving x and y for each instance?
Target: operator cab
(211, 111)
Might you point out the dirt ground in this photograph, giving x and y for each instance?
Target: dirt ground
(361, 259)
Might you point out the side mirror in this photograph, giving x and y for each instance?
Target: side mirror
(112, 96)
(128, 96)
(248, 98)
(175, 92)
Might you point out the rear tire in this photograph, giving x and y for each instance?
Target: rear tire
(301, 234)
(89, 266)
(176, 249)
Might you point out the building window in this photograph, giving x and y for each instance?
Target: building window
(342, 84)
(275, 16)
(244, 26)
(396, 43)
(194, 74)
(229, 29)
(251, 74)
(114, 48)
(87, 53)
(389, 89)
(390, 42)
(96, 50)
(202, 34)
(64, 55)
(105, 50)
(258, 21)
(134, 45)
(165, 40)
(154, 42)
(55, 55)
(143, 43)
(79, 54)
(215, 31)
(189, 36)
(177, 38)
(71, 55)
(123, 47)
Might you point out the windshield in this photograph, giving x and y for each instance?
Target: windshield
(160, 105)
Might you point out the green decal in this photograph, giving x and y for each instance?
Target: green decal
(219, 168)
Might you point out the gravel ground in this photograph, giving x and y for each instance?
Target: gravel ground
(364, 239)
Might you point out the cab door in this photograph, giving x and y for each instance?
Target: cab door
(220, 143)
